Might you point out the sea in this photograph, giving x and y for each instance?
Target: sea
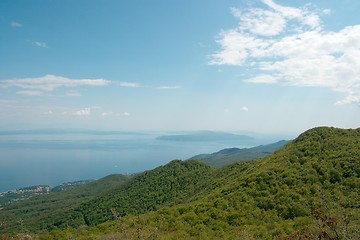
(33, 158)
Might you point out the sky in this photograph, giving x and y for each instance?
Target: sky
(267, 66)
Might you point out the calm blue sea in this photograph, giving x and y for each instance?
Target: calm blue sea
(32, 159)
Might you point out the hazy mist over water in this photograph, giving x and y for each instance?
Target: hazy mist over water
(32, 159)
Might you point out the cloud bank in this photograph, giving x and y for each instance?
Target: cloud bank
(168, 87)
(49, 83)
(287, 45)
(128, 84)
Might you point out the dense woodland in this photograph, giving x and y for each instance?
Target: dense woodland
(308, 189)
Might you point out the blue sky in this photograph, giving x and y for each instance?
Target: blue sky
(266, 66)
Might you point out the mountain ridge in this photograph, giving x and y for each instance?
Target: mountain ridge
(230, 155)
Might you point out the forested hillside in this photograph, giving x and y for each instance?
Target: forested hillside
(173, 183)
(176, 182)
(308, 189)
(38, 211)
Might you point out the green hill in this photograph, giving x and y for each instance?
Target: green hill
(308, 189)
(39, 210)
(70, 185)
(176, 182)
(173, 183)
(230, 155)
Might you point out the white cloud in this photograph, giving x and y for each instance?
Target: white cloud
(106, 114)
(48, 112)
(237, 47)
(16, 24)
(73, 94)
(128, 84)
(124, 114)
(30, 93)
(83, 112)
(263, 78)
(51, 82)
(245, 109)
(41, 44)
(303, 16)
(276, 19)
(259, 21)
(349, 100)
(289, 45)
(326, 11)
(168, 87)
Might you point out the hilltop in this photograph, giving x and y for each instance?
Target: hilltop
(307, 189)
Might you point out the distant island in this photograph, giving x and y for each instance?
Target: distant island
(205, 136)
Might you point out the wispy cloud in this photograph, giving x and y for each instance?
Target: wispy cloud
(83, 112)
(168, 87)
(109, 114)
(30, 93)
(245, 109)
(16, 24)
(349, 99)
(128, 84)
(73, 94)
(263, 78)
(106, 114)
(40, 44)
(51, 82)
(124, 114)
(290, 45)
(48, 112)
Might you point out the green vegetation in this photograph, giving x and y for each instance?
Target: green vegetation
(36, 212)
(308, 189)
(22, 194)
(28, 192)
(230, 155)
(70, 185)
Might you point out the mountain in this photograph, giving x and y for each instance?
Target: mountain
(230, 155)
(308, 189)
(205, 136)
(176, 182)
